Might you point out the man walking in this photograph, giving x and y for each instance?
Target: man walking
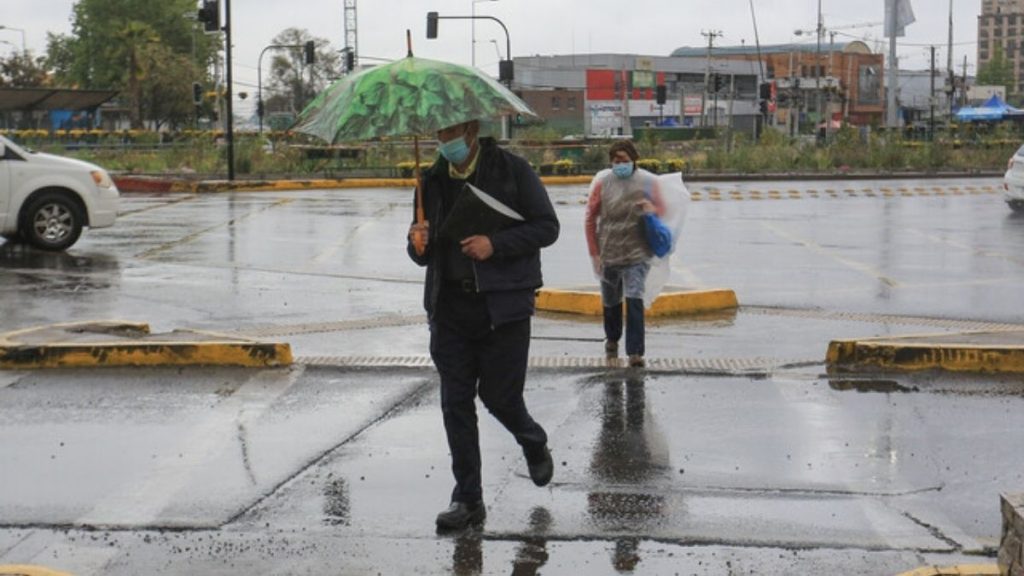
(479, 297)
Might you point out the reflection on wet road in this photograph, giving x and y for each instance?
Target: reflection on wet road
(732, 453)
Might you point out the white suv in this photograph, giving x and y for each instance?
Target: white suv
(1013, 181)
(46, 200)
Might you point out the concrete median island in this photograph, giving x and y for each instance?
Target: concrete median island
(113, 343)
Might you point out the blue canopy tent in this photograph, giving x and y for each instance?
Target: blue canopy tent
(993, 109)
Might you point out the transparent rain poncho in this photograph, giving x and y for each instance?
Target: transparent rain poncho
(676, 199)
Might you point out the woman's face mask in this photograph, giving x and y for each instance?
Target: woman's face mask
(455, 150)
(623, 170)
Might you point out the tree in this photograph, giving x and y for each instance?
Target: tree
(997, 72)
(292, 78)
(115, 44)
(22, 70)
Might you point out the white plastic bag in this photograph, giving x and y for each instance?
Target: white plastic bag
(676, 199)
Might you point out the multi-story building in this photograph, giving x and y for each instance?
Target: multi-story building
(841, 81)
(612, 94)
(1001, 25)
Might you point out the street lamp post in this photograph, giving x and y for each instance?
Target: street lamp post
(2, 27)
(473, 30)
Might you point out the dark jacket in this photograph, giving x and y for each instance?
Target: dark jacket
(515, 264)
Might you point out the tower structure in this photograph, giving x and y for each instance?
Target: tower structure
(351, 34)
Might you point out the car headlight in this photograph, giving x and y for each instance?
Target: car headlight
(102, 179)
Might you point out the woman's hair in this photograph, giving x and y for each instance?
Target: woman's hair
(623, 146)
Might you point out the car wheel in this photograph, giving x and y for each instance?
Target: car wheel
(1016, 205)
(52, 221)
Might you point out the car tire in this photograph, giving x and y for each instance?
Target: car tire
(53, 220)
(1016, 205)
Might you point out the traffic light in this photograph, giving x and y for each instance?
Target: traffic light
(350, 60)
(197, 93)
(660, 93)
(209, 15)
(505, 72)
(765, 91)
(719, 82)
(431, 25)
(309, 50)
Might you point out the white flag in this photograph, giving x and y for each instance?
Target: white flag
(904, 17)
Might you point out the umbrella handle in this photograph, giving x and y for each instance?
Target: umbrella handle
(419, 240)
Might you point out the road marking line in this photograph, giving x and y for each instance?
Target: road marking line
(819, 249)
(227, 224)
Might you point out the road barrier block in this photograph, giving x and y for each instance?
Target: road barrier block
(998, 351)
(675, 302)
(114, 343)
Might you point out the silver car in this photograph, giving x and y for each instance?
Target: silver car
(1013, 181)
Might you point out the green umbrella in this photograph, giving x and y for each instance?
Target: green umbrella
(408, 97)
(412, 96)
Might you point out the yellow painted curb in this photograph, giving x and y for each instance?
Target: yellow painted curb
(959, 570)
(214, 186)
(674, 303)
(27, 570)
(93, 344)
(891, 354)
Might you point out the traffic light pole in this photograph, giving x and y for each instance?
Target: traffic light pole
(259, 79)
(505, 70)
(230, 112)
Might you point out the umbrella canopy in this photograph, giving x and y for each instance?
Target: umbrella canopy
(411, 96)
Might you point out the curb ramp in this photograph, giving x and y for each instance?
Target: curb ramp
(984, 351)
(117, 343)
(673, 301)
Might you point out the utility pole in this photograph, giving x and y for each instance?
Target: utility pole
(891, 118)
(949, 62)
(963, 84)
(817, 65)
(931, 101)
(710, 35)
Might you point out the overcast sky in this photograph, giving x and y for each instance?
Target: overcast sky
(647, 27)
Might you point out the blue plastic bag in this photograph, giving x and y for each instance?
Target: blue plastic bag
(659, 237)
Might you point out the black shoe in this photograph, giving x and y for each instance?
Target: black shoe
(460, 515)
(541, 469)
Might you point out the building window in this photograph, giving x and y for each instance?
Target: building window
(556, 102)
(571, 103)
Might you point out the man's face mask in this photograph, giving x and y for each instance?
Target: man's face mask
(455, 150)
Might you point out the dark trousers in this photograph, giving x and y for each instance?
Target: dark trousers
(473, 359)
(634, 325)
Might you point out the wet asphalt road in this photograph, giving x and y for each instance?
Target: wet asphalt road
(738, 456)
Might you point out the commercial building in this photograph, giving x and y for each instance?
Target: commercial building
(613, 94)
(840, 81)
